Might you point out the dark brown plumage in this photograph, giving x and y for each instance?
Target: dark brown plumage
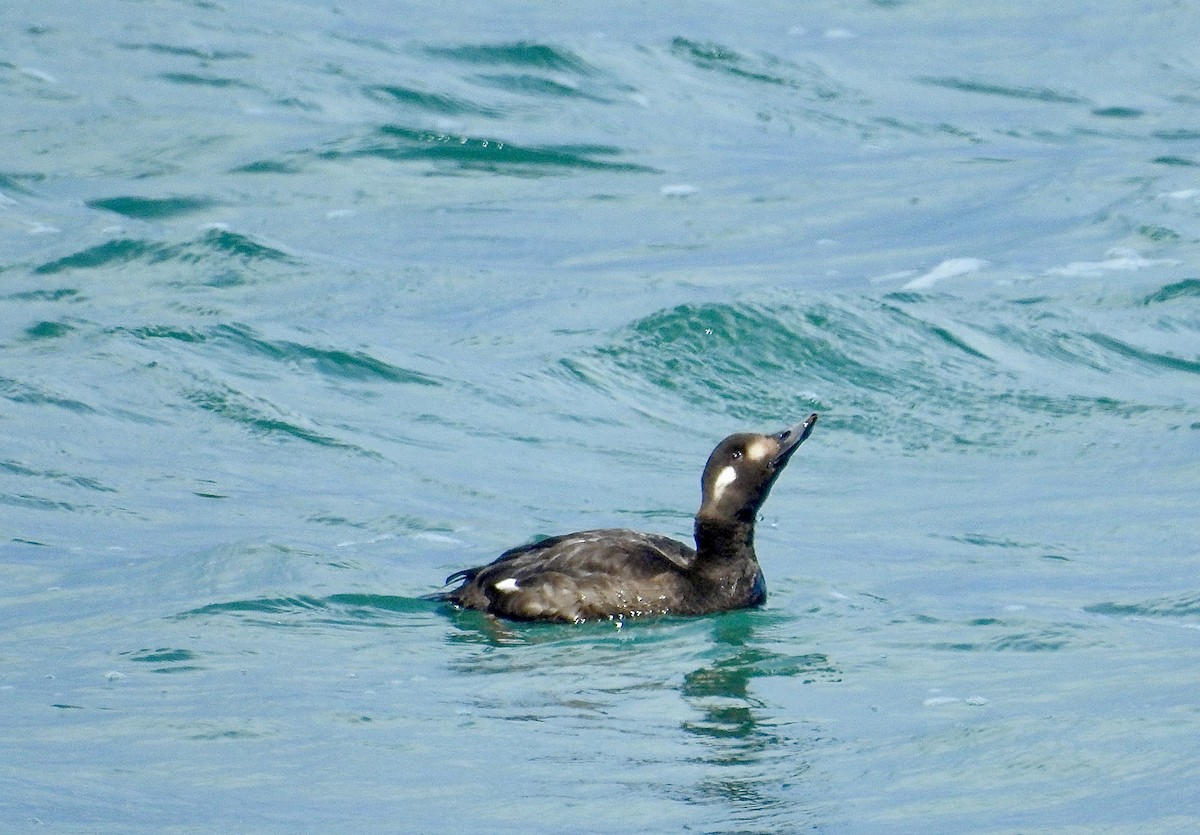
(616, 573)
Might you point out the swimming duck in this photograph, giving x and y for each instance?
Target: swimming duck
(611, 573)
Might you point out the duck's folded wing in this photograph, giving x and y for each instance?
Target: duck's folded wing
(579, 576)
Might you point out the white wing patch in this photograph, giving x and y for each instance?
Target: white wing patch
(507, 586)
(724, 478)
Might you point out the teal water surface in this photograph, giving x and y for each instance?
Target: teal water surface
(307, 306)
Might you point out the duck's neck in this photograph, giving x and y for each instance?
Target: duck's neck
(723, 540)
(726, 568)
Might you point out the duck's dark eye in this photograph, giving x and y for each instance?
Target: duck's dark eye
(736, 454)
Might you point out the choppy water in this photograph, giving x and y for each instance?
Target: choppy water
(306, 306)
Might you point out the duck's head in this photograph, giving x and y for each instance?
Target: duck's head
(741, 470)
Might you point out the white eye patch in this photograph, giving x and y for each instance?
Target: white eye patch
(507, 586)
(758, 450)
(724, 478)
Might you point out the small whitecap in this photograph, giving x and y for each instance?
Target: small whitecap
(1185, 194)
(339, 213)
(678, 190)
(38, 75)
(1118, 259)
(837, 34)
(976, 701)
(950, 268)
(349, 543)
(939, 701)
(440, 538)
(113, 675)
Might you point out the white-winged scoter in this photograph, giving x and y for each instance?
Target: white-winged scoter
(613, 573)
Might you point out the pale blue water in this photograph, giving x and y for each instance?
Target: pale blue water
(305, 306)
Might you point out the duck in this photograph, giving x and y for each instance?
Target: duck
(619, 574)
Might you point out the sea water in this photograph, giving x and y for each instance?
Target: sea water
(306, 305)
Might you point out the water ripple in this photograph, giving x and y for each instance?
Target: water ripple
(330, 362)
(215, 243)
(345, 608)
(400, 143)
(763, 69)
(439, 103)
(261, 417)
(519, 53)
(152, 208)
(1038, 94)
(18, 391)
(1183, 606)
(889, 368)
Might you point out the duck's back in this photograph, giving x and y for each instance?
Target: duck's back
(590, 575)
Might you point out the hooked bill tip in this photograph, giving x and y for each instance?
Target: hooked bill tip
(793, 437)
